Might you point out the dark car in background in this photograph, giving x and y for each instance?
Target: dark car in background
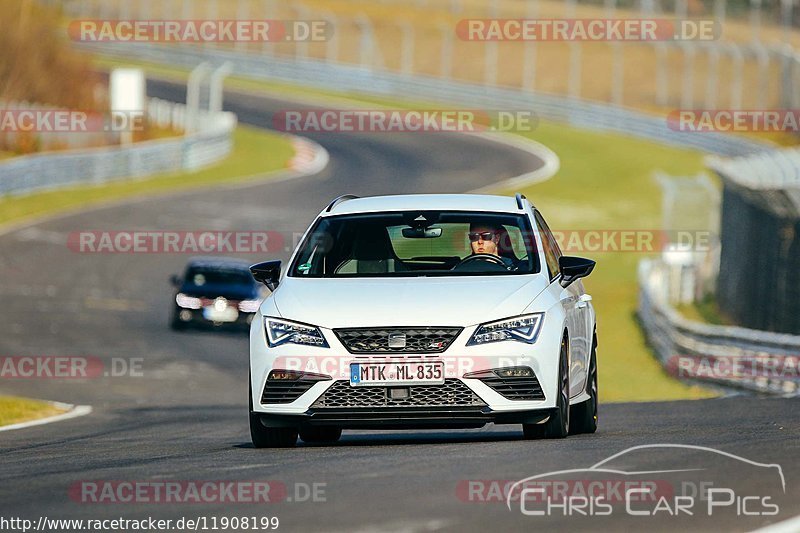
(216, 292)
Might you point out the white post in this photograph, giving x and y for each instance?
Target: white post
(196, 78)
(269, 14)
(574, 82)
(712, 76)
(332, 46)
(738, 74)
(242, 13)
(687, 90)
(490, 63)
(529, 54)
(661, 73)
(216, 86)
(407, 48)
(762, 56)
(617, 74)
(301, 47)
(755, 19)
(446, 61)
(786, 19)
(212, 14)
(366, 43)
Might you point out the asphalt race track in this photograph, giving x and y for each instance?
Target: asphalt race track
(185, 417)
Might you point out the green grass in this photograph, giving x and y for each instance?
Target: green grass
(256, 152)
(605, 182)
(706, 311)
(14, 410)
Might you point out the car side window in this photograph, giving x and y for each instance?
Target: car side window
(549, 246)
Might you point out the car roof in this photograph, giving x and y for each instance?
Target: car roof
(218, 262)
(426, 202)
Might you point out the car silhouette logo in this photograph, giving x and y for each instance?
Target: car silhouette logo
(397, 340)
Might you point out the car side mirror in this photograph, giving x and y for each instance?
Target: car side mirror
(572, 268)
(175, 280)
(268, 273)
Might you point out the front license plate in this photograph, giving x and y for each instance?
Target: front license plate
(229, 314)
(396, 373)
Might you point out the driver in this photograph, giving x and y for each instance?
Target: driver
(485, 239)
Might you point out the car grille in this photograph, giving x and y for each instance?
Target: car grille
(286, 391)
(417, 340)
(452, 393)
(527, 388)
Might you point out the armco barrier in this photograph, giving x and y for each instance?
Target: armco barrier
(213, 142)
(350, 78)
(725, 355)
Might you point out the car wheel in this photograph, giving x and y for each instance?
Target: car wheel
(584, 415)
(264, 437)
(176, 323)
(557, 426)
(320, 434)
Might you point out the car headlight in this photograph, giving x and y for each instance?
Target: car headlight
(523, 328)
(249, 306)
(188, 302)
(284, 332)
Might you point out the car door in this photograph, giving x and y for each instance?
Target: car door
(571, 298)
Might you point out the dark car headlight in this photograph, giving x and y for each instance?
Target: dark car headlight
(281, 332)
(523, 328)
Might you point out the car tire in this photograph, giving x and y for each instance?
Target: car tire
(176, 324)
(584, 415)
(264, 437)
(320, 434)
(557, 426)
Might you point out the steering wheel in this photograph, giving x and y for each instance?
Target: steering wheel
(488, 258)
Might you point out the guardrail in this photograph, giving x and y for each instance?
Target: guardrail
(350, 78)
(731, 356)
(211, 143)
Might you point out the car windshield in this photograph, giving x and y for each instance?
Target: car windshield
(417, 243)
(200, 276)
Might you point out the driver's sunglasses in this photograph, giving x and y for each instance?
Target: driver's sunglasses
(476, 236)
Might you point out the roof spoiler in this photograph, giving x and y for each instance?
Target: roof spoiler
(338, 200)
(520, 197)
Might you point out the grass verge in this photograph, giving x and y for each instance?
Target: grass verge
(14, 410)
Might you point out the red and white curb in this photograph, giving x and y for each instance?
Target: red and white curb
(73, 411)
(309, 157)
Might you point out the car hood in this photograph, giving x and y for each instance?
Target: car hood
(422, 301)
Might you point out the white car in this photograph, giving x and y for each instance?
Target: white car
(423, 311)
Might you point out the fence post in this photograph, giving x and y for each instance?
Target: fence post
(738, 74)
(687, 90)
(196, 78)
(712, 77)
(216, 88)
(755, 19)
(762, 56)
(406, 48)
(242, 12)
(529, 54)
(332, 46)
(269, 13)
(446, 61)
(661, 73)
(301, 47)
(366, 43)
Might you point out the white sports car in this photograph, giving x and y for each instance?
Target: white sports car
(423, 311)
